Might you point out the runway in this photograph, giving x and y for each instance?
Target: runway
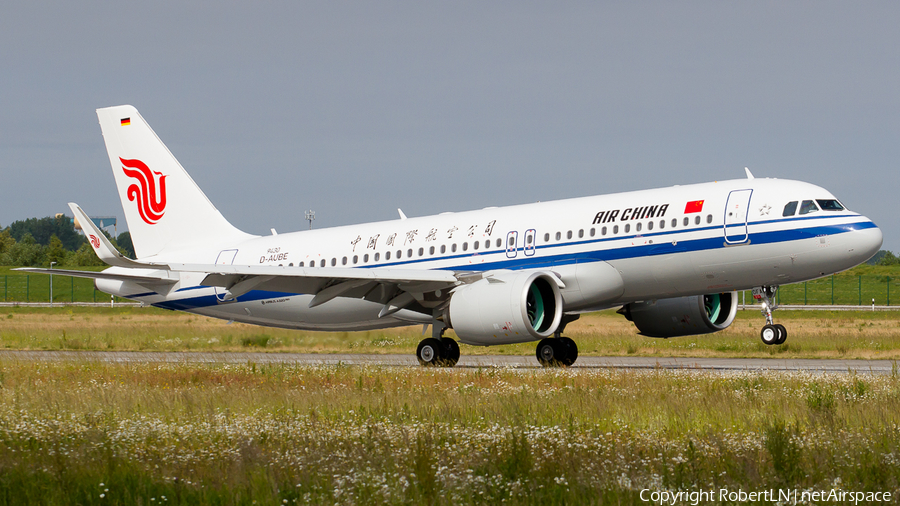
(466, 361)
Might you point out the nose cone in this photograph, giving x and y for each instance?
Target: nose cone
(866, 242)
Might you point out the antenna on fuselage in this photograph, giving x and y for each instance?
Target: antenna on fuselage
(749, 175)
(310, 216)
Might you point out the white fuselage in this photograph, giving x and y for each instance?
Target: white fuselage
(608, 250)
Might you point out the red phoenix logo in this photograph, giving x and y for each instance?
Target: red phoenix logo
(94, 241)
(150, 190)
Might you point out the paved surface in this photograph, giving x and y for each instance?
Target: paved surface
(699, 364)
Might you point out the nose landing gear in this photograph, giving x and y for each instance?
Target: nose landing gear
(771, 332)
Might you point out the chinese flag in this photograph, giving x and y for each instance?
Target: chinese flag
(693, 207)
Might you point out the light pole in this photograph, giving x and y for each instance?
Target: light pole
(51, 284)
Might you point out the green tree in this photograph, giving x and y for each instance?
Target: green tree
(84, 257)
(6, 243)
(42, 229)
(888, 258)
(56, 252)
(26, 252)
(123, 241)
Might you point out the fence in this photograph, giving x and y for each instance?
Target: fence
(841, 290)
(36, 288)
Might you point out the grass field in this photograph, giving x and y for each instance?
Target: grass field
(90, 433)
(812, 334)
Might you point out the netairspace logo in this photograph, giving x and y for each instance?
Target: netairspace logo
(781, 496)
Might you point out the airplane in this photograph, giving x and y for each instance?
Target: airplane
(672, 258)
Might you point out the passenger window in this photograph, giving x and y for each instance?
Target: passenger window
(421, 251)
(581, 233)
(409, 252)
(662, 224)
(377, 256)
(333, 262)
(500, 243)
(603, 231)
(366, 258)
(830, 205)
(465, 246)
(355, 259)
(615, 229)
(687, 221)
(593, 232)
(431, 250)
(487, 244)
(790, 208)
(709, 218)
(637, 228)
(453, 248)
(546, 237)
(344, 261)
(627, 227)
(650, 225)
(697, 220)
(443, 248)
(476, 244)
(558, 236)
(569, 234)
(399, 254)
(512, 241)
(808, 206)
(674, 222)
(322, 263)
(300, 264)
(387, 255)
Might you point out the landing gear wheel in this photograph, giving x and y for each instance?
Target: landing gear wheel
(782, 333)
(770, 334)
(570, 351)
(555, 352)
(451, 352)
(430, 352)
(547, 352)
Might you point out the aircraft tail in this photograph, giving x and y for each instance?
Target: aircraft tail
(164, 207)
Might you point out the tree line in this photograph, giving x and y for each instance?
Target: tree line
(36, 242)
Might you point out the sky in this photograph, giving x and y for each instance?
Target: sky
(354, 109)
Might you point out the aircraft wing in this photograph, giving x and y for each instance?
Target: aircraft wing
(396, 288)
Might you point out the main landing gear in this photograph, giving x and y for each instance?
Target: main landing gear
(558, 351)
(437, 350)
(771, 333)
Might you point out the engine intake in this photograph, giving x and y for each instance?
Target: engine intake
(510, 307)
(683, 316)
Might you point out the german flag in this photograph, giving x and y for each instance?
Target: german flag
(126, 121)
(695, 206)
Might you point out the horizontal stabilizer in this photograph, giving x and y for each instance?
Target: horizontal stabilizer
(161, 285)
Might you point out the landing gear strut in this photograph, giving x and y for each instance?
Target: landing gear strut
(438, 350)
(771, 333)
(558, 351)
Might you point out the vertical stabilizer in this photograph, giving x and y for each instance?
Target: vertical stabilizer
(164, 207)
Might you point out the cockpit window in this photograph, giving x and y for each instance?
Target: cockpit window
(830, 205)
(808, 206)
(790, 208)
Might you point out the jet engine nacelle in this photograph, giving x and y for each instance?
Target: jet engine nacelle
(683, 316)
(509, 307)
